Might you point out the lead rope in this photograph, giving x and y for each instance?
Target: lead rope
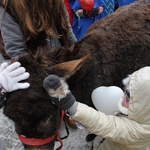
(67, 130)
(59, 140)
(57, 134)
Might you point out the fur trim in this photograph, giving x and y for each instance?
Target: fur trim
(126, 82)
(122, 109)
(61, 92)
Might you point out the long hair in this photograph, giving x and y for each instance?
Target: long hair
(36, 16)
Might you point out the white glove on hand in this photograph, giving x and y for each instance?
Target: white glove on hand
(10, 75)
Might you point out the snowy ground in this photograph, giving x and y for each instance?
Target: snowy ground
(75, 140)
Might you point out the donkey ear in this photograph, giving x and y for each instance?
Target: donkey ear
(66, 69)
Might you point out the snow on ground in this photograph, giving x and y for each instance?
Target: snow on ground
(75, 140)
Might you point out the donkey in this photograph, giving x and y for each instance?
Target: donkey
(112, 48)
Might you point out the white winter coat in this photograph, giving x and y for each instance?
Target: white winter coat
(123, 133)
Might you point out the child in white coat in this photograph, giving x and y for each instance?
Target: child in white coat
(122, 132)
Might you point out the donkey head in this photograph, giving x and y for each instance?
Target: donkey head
(37, 119)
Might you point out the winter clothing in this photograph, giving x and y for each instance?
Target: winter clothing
(128, 133)
(94, 12)
(14, 40)
(121, 132)
(124, 2)
(58, 90)
(10, 75)
(82, 23)
(2, 50)
(69, 10)
(107, 97)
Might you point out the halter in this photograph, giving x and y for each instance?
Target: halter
(39, 142)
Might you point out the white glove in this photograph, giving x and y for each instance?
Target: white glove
(106, 98)
(10, 75)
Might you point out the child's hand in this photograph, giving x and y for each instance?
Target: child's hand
(57, 88)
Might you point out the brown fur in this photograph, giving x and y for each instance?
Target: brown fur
(112, 48)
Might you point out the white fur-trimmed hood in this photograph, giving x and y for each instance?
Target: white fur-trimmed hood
(139, 104)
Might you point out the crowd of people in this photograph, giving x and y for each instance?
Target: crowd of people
(33, 24)
(62, 29)
(85, 12)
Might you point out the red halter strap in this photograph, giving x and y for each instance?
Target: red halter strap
(39, 142)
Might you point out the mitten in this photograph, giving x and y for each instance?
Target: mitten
(57, 88)
(94, 12)
(79, 13)
(11, 75)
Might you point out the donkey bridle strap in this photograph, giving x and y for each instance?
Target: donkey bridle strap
(35, 142)
(39, 142)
